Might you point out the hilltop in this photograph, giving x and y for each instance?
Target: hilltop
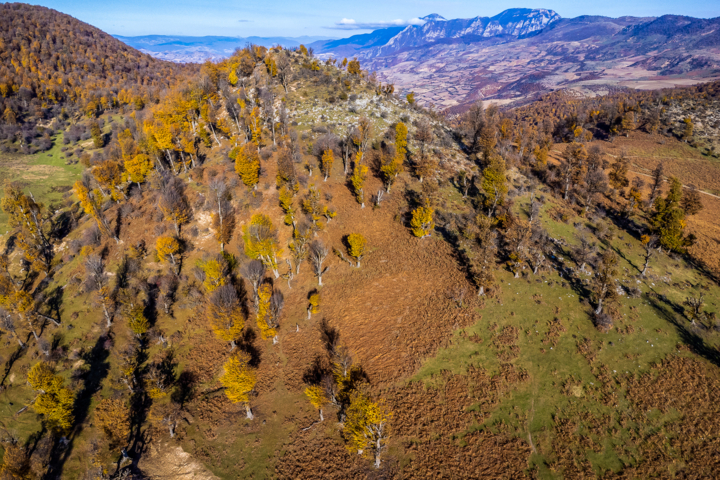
(276, 257)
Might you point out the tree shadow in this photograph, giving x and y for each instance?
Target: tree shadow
(184, 388)
(330, 336)
(98, 369)
(17, 354)
(317, 371)
(670, 311)
(247, 344)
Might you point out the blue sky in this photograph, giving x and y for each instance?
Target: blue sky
(333, 18)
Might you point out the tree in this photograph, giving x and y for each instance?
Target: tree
(223, 219)
(585, 249)
(691, 203)
(494, 184)
(112, 417)
(422, 223)
(618, 173)
(356, 247)
(254, 271)
(300, 245)
(658, 179)
(668, 219)
(96, 134)
(688, 129)
(260, 238)
(574, 158)
(596, 182)
(213, 272)
(137, 321)
(138, 168)
(410, 98)
(649, 242)
(264, 311)
(7, 324)
(239, 380)
(95, 280)
(326, 163)
(424, 135)
(603, 286)
(247, 164)
(318, 254)
(225, 314)
(358, 179)
(30, 219)
(366, 427)
(314, 300)
(174, 207)
(317, 397)
(167, 247)
(353, 67)
(91, 204)
(54, 400)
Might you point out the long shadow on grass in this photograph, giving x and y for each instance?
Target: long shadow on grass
(17, 354)
(98, 368)
(671, 312)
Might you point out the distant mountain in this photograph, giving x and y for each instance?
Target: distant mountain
(516, 22)
(521, 54)
(184, 49)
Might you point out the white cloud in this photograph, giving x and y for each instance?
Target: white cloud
(351, 24)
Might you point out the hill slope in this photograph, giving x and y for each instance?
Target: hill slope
(279, 258)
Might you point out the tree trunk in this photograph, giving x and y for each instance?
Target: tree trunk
(322, 419)
(598, 310)
(481, 291)
(248, 413)
(320, 280)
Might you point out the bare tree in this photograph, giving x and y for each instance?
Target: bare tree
(254, 271)
(168, 286)
(95, 281)
(318, 254)
(277, 302)
(650, 242)
(7, 324)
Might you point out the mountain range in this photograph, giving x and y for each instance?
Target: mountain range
(514, 56)
(521, 54)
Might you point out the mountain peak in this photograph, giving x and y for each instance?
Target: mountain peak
(433, 17)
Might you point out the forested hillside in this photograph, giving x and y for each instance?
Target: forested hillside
(276, 267)
(54, 67)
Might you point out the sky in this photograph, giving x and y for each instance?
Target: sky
(330, 18)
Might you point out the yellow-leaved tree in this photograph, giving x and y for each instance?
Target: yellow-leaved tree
(358, 179)
(167, 247)
(326, 163)
(239, 380)
(247, 164)
(366, 428)
(356, 247)
(225, 315)
(54, 400)
(263, 311)
(317, 397)
(138, 168)
(260, 238)
(422, 222)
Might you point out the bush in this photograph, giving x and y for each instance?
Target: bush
(603, 322)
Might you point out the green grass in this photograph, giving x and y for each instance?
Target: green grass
(533, 406)
(44, 174)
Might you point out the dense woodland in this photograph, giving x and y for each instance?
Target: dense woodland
(196, 141)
